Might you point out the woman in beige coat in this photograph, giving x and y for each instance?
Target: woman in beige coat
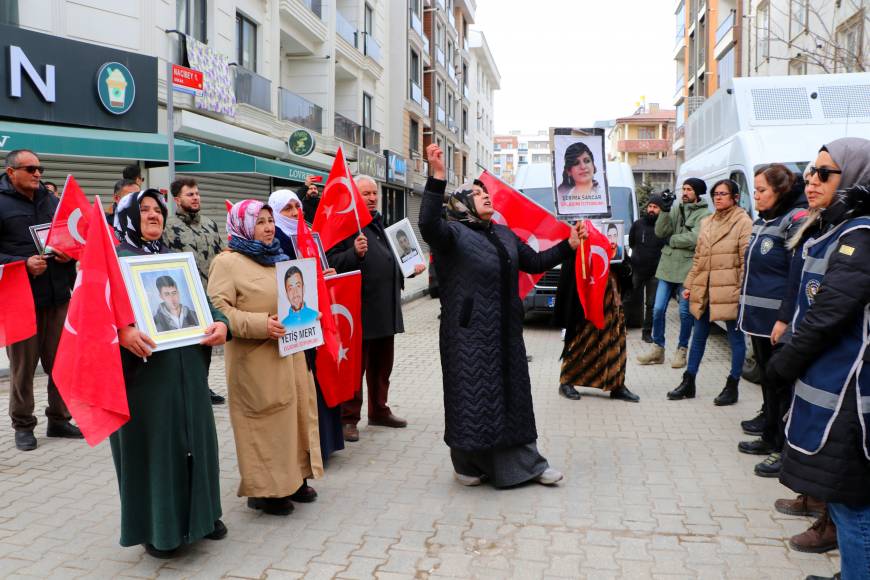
(713, 287)
(272, 399)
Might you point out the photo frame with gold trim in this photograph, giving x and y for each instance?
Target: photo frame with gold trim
(167, 329)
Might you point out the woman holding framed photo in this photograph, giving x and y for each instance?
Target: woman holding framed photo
(166, 456)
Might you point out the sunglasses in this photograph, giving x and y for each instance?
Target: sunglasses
(31, 169)
(823, 172)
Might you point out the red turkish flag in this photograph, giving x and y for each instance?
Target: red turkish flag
(18, 315)
(530, 222)
(308, 249)
(87, 369)
(592, 284)
(342, 211)
(69, 228)
(338, 373)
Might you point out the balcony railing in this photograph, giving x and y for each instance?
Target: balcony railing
(681, 35)
(425, 43)
(415, 92)
(347, 130)
(451, 18)
(439, 4)
(253, 89)
(678, 91)
(643, 145)
(299, 110)
(371, 48)
(451, 72)
(371, 139)
(440, 115)
(694, 103)
(439, 55)
(416, 23)
(425, 107)
(451, 124)
(315, 6)
(466, 92)
(345, 29)
(725, 27)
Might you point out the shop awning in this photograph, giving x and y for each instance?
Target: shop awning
(215, 159)
(93, 143)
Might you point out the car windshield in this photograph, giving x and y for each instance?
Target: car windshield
(620, 202)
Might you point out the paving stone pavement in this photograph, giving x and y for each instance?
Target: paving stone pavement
(652, 490)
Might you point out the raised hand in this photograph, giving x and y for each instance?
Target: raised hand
(435, 157)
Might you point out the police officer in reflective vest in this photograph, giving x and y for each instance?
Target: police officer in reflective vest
(766, 306)
(828, 447)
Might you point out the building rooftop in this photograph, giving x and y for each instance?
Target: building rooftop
(650, 116)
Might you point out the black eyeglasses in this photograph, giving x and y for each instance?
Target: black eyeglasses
(31, 169)
(823, 172)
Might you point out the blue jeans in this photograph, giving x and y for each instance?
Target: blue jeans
(853, 536)
(664, 293)
(699, 344)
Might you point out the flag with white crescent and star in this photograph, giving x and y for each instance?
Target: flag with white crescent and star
(338, 375)
(342, 211)
(87, 368)
(69, 228)
(591, 287)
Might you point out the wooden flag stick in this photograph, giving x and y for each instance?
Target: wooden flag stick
(583, 260)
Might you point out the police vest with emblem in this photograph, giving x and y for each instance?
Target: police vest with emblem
(766, 278)
(819, 391)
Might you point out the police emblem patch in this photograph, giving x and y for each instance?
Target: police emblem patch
(766, 245)
(812, 289)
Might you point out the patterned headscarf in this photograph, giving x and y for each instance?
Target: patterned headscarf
(460, 205)
(278, 201)
(241, 221)
(128, 220)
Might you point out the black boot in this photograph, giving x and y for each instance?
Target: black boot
(646, 336)
(569, 392)
(728, 396)
(685, 390)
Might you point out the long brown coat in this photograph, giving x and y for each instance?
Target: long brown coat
(717, 267)
(272, 400)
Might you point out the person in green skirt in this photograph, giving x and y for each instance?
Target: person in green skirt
(166, 456)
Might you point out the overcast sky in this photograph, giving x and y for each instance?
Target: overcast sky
(568, 63)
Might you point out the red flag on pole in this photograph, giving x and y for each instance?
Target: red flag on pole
(595, 251)
(18, 314)
(530, 222)
(308, 249)
(87, 369)
(339, 373)
(69, 228)
(342, 211)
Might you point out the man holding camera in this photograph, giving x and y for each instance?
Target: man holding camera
(678, 226)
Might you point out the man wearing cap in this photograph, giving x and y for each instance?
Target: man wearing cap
(646, 250)
(679, 229)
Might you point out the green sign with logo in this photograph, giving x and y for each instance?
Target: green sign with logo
(301, 143)
(116, 88)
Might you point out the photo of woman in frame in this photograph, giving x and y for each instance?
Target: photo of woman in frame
(579, 167)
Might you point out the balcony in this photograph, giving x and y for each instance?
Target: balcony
(416, 24)
(451, 124)
(643, 145)
(425, 43)
(725, 27)
(315, 6)
(451, 72)
(425, 107)
(439, 55)
(451, 18)
(440, 115)
(663, 165)
(371, 48)
(347, 130)
(678, 91)
(416, 93)
(371, 139)
(694, 103)
(345, 29)
(439, 4)
(253, 89)
(299, 110)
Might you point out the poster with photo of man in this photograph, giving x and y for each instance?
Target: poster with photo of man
(405, 246)
(579, 174)
(615, 232)
(297, 306)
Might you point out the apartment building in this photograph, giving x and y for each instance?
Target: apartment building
(505, 157)
(644, 140)
(485, 81)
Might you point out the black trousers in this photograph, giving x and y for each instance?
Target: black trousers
(777, 397)
(645, 292)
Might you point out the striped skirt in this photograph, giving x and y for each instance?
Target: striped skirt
(596, 358)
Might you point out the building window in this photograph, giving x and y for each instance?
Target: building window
(798, 16)
(726, 67)
(246, 43)
(414, 66)
(414, 136)
(367, 111)
(762, 34)
(368, 20)
(797, 66)
(190, 18)
(850, 40)
(646, 133)
(415, 7)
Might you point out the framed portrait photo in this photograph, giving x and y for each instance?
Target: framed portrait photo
(40, 236)
(405, 246)
(615, 232)
(167, 297)
(297, 306)
(579, 173)
(324, 263)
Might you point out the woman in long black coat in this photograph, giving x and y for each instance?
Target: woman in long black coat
(490, 422)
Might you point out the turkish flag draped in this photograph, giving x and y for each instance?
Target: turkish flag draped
(339, 373)
(530, 222)
(87, 369)
(18, 315)
(342, 211)
(69, 228)
(591, 287)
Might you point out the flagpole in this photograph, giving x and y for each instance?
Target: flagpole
(582, 257)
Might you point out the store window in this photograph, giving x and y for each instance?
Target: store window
(246, 43)
(191, 17)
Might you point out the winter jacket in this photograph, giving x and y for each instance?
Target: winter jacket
(716, 277)
(487, 390)
(646, 247)
(17, 213)
(197, 234)
(382, 281)
(679, 227)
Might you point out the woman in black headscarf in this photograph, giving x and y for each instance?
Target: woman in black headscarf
(490, 422)
(166, 456)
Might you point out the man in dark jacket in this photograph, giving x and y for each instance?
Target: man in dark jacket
(382, 284)
(310, 196)
(646, 249)
(24, 202)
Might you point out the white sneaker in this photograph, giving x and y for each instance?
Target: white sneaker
(467, 480)
(550, 477)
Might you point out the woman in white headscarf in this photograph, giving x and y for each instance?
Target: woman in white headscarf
(286, 208)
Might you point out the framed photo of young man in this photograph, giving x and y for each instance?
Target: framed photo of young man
(579, 173)
(615, 232)
(324, 263)
(405, 246)
(297, 306)
(167, 297)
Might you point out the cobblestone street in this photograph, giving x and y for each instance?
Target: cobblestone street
(652, 490)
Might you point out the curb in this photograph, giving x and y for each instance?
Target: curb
(415, 295)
